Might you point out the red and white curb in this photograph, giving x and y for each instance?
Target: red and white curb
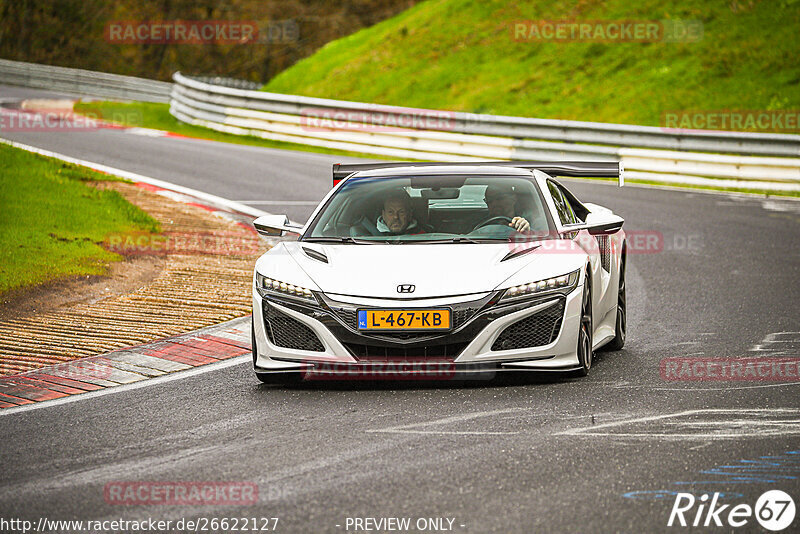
(150, 132)
(227, 214)
(176, 357)
(204, 347)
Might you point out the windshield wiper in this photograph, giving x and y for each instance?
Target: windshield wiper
(458, 239)
(462, 239)
(339, 239)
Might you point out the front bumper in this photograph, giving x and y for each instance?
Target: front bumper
(476, 344)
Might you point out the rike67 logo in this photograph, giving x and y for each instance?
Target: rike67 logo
(774, 510)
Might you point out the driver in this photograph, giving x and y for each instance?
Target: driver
(502, 202)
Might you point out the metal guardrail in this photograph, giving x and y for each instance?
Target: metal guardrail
(83, 82)
(228, 82)
(720, 159)
(726, 159)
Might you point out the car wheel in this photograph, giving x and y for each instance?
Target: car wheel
(622, 317)
(585, 331)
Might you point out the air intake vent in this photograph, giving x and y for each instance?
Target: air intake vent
(521, 249)
(534, 330)
(430, 353)
(286, 331)
(604, 244)
(315, 254)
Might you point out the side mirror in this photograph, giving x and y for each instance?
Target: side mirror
(603, 223)
(275, 226)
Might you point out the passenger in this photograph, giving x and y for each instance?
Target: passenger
(397, 216)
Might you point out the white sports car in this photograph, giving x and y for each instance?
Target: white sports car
(420, 267)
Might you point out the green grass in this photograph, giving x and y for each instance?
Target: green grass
(459, 55)
(52, 222)
(157, 117)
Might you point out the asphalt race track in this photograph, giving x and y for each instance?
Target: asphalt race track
(606, 453)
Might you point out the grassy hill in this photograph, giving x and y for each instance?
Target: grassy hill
(54, 223)
(461, 55)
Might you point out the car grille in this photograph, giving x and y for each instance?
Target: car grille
(444, 352)
(286, 331)
(533, 331)
(348, 315)
(462, 315)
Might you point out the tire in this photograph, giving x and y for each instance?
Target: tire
(621, 326)
(585, 354)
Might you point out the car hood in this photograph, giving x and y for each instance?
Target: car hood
(435, 270)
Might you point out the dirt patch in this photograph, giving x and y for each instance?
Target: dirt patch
(124, 277)
(197, 273)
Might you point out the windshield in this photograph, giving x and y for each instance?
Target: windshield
(475, 208)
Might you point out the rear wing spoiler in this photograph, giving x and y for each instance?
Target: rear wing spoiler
(593, 169)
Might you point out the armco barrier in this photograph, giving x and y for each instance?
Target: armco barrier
(727, 159)
(83, 82)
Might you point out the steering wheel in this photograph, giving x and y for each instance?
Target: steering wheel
(500, 219)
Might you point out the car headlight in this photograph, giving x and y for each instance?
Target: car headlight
(562, 284)
(265, 284)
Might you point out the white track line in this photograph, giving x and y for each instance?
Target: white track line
(281, 202)
(730, 388)
(177, 375)
(595, 430)
(414, 428)
(211, 199)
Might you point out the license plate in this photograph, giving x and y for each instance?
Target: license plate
(438, 319)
